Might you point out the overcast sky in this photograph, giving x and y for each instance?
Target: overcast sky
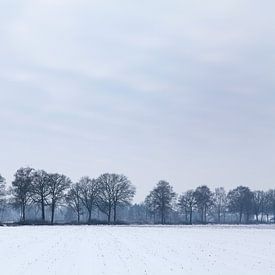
(177, 90)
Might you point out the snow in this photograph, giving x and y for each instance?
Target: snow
(137, 250)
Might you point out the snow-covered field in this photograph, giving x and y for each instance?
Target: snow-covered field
(137, 250)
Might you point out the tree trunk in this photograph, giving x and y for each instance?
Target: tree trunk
(78, 216)
(186, 215)
(52, 218)
(115, 213)
(90, 216)
(109, 214)
(240, 218)
(191, 214)
(162, 216)
(43, 210)
(23, 212)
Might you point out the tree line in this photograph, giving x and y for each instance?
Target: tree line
(36, 196)
(49, 191)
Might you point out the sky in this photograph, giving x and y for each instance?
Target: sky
(182, 91)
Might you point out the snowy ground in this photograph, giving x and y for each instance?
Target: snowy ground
(137, 250)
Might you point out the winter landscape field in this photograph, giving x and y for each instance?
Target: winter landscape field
(137, 250)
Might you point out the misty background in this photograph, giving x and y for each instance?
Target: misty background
(181, 91)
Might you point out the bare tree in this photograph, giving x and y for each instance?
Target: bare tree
(40, 190)
(271, 203)
(21, 189)
(114, 189)
(267, 205)
(105, 198)
(150, 206)
(58, 185)
(2, 195)
(258, 203)
(73, 199)
(123, 192)
(2, 186)
(187, 203)
(163, 197)
(204, 200)
(89, 194)
(220, 203)
(240, 201)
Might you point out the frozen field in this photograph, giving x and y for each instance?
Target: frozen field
(137, 250)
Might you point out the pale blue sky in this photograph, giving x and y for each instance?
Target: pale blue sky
(175, 90)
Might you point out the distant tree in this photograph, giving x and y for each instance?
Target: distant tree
(105, 197)
(258, 200)
(2, 187)
(114, 189)
(89, 194)
(21, 189)
(150, 206)
(267, 204)
(163, 197)
(187, 202)
(240, 201)
(220, 202)
(270, 196)
(123, 192)
(40, 190)
(2, 195)
(204, 200)
(73, 199)
(58, 185)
